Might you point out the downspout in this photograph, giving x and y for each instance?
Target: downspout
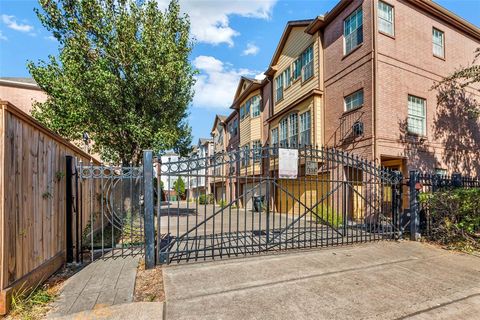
(374, 80)
(323, 100)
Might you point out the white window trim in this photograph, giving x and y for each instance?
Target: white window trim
(435, 44)
(393, 18)
(277, 87)
(355, 12)
(309, 128)
(424, 117)
(351, 94)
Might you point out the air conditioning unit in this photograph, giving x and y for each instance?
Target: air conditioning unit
(357, 128)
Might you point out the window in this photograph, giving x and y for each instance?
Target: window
(287, 77)
(246, 155)
(293, 130)
(255, 106)
(416, 115)
(247, 107)
(353, 30)
(438, 43)
(297, 68)
(284, 133)
(307, 64)
(257, 150)
(233, 128)
(385, 18)
(242, 111)
(274, 138)
(305, 129)
(279, 88)
(354, 100)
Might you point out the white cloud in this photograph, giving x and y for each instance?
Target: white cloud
(12, 23)
(51, 38)
(217, 82)
(251, 50)
(210, 18)
(2, 37)
(260, 76)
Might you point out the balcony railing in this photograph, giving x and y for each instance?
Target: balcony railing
(351, 126)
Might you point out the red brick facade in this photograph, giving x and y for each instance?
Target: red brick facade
(389, 69)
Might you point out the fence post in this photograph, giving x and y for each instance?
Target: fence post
(69, 207)
(457, 180)
(414, 206)
(397, 199)
(148, 207)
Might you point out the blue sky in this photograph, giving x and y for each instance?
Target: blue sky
(234, 38)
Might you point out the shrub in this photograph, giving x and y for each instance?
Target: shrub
(222, 203)
(454, 216)
(205, 199)
(327, 215)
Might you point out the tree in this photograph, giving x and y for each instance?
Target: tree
(122, 75)
(457, 119)
(456, 84)
(179, 187)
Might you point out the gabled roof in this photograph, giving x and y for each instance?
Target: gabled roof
(252, 84)
(283, 39)
(231, 116)
(220, 118)
(203, 141)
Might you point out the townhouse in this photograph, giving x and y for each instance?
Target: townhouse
(197, 184)
(360, 79)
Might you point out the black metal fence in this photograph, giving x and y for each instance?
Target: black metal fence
(245, 202)
(423, 184)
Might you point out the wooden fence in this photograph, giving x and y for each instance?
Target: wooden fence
(32, 201)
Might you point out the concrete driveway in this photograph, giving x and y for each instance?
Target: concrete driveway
(382, 280)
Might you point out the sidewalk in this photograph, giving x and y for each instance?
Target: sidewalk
(383, 280)
(101, 284)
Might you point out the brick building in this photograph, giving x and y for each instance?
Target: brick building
(360, 78)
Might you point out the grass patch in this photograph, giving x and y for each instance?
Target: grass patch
(31, 304)
(328, 215)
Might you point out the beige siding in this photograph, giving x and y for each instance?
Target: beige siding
(317, 122)
(296, 43)
(250, 129)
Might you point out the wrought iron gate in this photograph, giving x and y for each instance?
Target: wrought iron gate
(238, 203)
(233, 204)
(108, 209)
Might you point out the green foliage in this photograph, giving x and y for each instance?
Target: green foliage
(468, 75)
(122, 74)
(179, 187)
(222, 203)
(206, 199)
(328, 215)
(30, 303)
(454, 215)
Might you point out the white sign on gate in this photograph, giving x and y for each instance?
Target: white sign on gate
(287, 163)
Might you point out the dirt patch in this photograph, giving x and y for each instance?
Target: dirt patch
(149, 284)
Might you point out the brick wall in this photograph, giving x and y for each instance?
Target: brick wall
(406, 65)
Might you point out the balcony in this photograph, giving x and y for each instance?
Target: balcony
(352, 126)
